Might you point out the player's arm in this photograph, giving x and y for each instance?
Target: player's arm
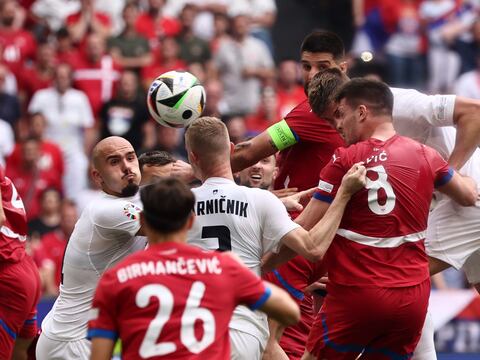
(462, 189)
(273, 350)
(466, 116)
(314, 244)
(277, 137)
(280, 306)
(102, 348)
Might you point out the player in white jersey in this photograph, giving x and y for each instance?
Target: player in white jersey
(249, 222)
(107, 231)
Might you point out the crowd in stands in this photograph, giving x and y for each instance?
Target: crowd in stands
(73, 72)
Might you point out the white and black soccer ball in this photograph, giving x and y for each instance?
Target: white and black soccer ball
(175, 99)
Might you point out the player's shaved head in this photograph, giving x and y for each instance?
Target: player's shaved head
(208, 138)
(115, 166)
(104, 147)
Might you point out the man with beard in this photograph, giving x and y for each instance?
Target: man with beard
(260, 175)
(107, 231)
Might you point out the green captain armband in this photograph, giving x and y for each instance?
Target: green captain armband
(282, 136)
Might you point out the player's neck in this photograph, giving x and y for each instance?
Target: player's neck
(178, 237)
(222, 170)
(382, 130)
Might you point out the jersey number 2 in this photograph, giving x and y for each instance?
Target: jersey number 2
(191, 314)
(374, 186)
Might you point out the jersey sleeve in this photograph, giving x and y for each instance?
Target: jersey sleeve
(120, 216)
(441, 171)
(330, 178)
(249, 288)
(437, 110)
(276, 222)
(102, 317)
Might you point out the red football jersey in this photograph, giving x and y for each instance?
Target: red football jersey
(380, 241)
(300, 164)
(16, 46)
(173, 300)
(13, 232)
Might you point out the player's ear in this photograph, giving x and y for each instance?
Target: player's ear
(191, 220)
(362, 112)
(343, 67)
(232, 147)
(96, 176)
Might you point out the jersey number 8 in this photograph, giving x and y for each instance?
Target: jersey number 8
(191, 314)
(374, 186)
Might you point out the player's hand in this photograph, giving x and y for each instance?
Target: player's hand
(294, 202)
(280, 193)
(183, 171)
(318, 286)
(355, 178)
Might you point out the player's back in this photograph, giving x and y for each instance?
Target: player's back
(380, 239)
(103, 235)
(13, 232)
(248, 221)
(316, 140)
(173, 301)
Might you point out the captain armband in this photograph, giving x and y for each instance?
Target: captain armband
(282, 136)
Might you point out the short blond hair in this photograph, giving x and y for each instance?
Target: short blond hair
(208, 136)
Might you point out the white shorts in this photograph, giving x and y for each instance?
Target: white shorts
(48, 349)
(244, 346)
(453, 233)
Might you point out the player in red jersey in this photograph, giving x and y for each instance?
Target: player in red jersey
(377, 265)
(19, 279)
(174, 301)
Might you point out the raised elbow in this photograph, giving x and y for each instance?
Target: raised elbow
(315, 255)
(292, 317)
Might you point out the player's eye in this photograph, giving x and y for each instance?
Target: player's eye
(306, 67)
(114, 162)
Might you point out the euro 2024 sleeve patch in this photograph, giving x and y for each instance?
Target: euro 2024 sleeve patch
(131, 211)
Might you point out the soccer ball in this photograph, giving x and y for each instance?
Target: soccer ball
(175, 99)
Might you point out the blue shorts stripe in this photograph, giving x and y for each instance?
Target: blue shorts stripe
(324, 198)
(297, 294)
(102, 333)
(8, 330)
(258, 304)
(445, 178)
(358, 348)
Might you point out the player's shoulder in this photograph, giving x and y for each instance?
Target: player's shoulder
(106, 207)
(302, 109)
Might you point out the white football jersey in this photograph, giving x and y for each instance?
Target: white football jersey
(248, 221)
(104, 235)
(428, 119)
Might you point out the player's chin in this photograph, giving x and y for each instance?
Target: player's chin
(130, 189)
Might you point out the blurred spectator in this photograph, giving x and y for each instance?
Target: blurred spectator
(237, 129)
(443, 63)
(199, 71)
(49, 254)
(375, 20)
(114, 11)
(48, 218)
(16, 45)
(38, 75)
(267, 113)
(289, 91)
(9, 104)
(215, 105)
(167, 59)
(154, 26)
(404, 49)
(29, 179)
(54, 12)
(130, 49)
(7, 141)
(192, 48)
(66, 51)
(263, 17)
(243, 63)
(450, 278)
(171, 141)
(96, 74)
(51, 157)
(468, 84)
(126, 114)
(89, 194)
(69, 124)
(88, 20)
(221, 26)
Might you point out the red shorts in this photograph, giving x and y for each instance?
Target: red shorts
(294, 276)
(20, 292)
(383, 323)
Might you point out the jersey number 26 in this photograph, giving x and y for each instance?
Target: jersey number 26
(191, 314)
